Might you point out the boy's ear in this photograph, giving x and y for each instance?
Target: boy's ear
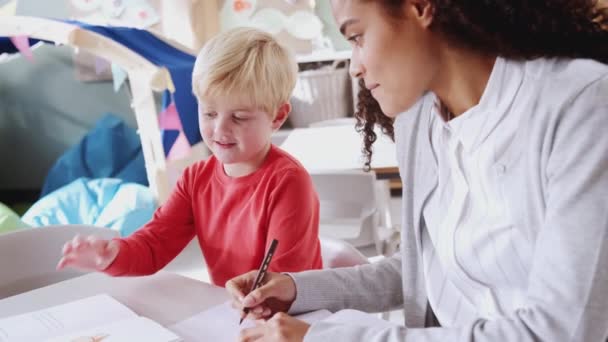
(281, 115)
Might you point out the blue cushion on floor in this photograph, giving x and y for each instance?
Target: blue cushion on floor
(106, 202)
(110, 150)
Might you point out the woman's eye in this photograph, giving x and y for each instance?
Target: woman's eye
(209, 115)
(355, 39)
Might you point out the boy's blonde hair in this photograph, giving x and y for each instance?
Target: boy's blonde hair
(248, 62)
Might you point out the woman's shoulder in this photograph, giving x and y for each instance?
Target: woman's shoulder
(562, 78)
(417, 116)
(566, 95)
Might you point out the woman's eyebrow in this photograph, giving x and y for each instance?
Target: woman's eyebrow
(346, 23)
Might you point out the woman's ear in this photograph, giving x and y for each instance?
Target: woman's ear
(423, 11)
(281, 116)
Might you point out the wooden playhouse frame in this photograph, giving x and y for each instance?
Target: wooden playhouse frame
(145, 78)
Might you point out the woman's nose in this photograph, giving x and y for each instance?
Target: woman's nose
(356, 69)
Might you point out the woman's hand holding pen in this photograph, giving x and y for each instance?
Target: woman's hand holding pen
(280, 328)
(272, 299)
(276, 294)
(90, 253)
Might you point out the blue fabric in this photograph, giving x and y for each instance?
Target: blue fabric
(6, 46)
(169, 136)
(110, 150)
(106, 202)
(179, 64)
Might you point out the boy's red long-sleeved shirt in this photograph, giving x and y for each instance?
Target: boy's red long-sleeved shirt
(234, 219)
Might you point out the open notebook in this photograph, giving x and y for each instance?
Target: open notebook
(221, 323)
(98, 318)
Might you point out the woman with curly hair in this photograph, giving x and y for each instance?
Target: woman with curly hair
(499, 111)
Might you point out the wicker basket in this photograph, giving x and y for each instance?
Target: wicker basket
(321, 94)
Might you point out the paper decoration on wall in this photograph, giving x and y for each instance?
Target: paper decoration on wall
(129, 13)
(140, 16)
(300, 24)
(22, 43)
(235, 12)
(304, 25)
(119, 76)
(113, 8)
(86, 5)
(268, 19)
(168, 120)
(241, 6)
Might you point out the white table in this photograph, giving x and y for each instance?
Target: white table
(166, 298)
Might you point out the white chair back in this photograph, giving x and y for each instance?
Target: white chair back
(355, 207)
(338, 253)
(29, 256)
(347, 205)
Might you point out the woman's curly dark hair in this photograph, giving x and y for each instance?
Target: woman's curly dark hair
(517, 29)
(368, 115)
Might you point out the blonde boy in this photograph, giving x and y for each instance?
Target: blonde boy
(246, 194)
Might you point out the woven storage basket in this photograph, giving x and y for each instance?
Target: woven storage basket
(321, 94)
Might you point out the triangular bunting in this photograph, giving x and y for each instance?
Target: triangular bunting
(169, 118)
(181, 148)
(22, 43)
(119, 76)
(101, 65)
(168, 136)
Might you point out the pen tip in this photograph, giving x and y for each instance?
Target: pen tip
(241, 321)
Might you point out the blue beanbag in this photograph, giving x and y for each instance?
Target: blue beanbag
(110, 150)
(107, 202)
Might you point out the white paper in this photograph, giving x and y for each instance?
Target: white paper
(61, 319)
(221, 323)
(130, 330)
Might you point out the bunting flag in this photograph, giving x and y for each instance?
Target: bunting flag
(22, 43)
(181, 148)
(168, 120)
(119, 76)
(101, 65)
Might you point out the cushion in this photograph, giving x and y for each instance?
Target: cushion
(105, 202)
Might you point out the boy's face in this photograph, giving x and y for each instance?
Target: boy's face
(237, 133)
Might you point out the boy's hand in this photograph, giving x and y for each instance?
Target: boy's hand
(89, 254)
(276, 294)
